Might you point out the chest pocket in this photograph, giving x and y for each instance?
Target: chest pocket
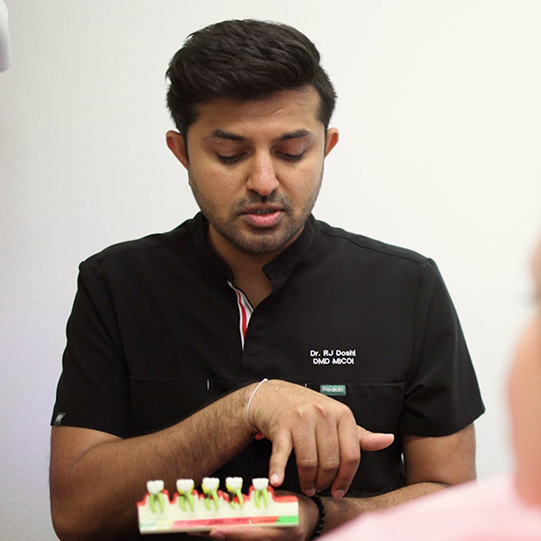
(376, 407)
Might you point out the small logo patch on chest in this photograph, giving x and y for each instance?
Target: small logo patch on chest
(333, 390)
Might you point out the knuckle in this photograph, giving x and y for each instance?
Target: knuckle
(346, 413)
(303, 411)
(306, 463)
(325, 411)
(351, 457)
(330, 466)
(281, 441)
(279, 444)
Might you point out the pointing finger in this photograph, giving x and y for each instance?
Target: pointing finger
(281, 449)
(373, 441)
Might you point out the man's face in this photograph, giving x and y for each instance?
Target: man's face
(255, 169)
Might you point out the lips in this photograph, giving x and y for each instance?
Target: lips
(261, 209)
(262, 212)
(263, 217)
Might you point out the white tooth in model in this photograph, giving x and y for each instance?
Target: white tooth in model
(210, 489)
(155, 489)
(260, 485)
(234, 486)
(185, 489)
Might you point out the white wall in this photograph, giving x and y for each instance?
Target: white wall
(440, 119)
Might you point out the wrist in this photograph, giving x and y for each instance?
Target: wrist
(321, 517)
(253, 393)
(308, 516)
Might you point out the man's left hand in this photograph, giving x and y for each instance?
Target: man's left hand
(308, 519)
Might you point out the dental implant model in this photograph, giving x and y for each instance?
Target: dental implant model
(192, 511)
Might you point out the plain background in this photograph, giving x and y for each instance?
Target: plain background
(440, 118)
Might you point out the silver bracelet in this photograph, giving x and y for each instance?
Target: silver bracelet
(250, 401)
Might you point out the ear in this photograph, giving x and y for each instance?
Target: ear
(177, 146)
(331, 139)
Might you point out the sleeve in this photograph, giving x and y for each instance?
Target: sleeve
(93, 390)
(442, 395)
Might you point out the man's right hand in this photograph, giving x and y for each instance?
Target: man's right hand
(86, 463)
(322, 431)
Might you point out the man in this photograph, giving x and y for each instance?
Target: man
(172, 337)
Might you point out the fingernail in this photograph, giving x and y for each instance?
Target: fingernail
(274, 479)
(310, 492)
(338, 494)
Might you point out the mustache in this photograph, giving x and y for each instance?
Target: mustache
(274, 199)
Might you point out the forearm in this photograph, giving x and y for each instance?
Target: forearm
(344, 509)
(97, 494)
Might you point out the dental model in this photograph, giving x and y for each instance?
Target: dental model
(191, 511)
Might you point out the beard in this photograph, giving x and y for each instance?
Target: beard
(250, 240)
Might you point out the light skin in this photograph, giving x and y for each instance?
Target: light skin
(524, 389)
(96, 478)
(255, 169)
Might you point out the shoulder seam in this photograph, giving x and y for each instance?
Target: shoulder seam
(423, 262)
(111, 251)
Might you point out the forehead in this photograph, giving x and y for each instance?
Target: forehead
(282, 112)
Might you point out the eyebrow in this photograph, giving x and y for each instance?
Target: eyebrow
(222, 134)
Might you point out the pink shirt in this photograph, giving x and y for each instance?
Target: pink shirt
(486, 511)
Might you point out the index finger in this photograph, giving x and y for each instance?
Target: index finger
(374, 441)
(281, 449)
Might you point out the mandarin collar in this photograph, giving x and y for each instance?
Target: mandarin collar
(288, 259)
(277, 270)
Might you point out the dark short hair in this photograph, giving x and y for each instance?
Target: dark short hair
(244, 60)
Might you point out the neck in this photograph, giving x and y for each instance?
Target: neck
(252, 281)
(247, 268)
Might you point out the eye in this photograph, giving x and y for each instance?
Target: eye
(229, 160)
(292, 157)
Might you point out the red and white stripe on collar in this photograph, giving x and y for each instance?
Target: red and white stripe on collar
(245, 312)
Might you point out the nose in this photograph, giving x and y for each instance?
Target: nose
(262, 175)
